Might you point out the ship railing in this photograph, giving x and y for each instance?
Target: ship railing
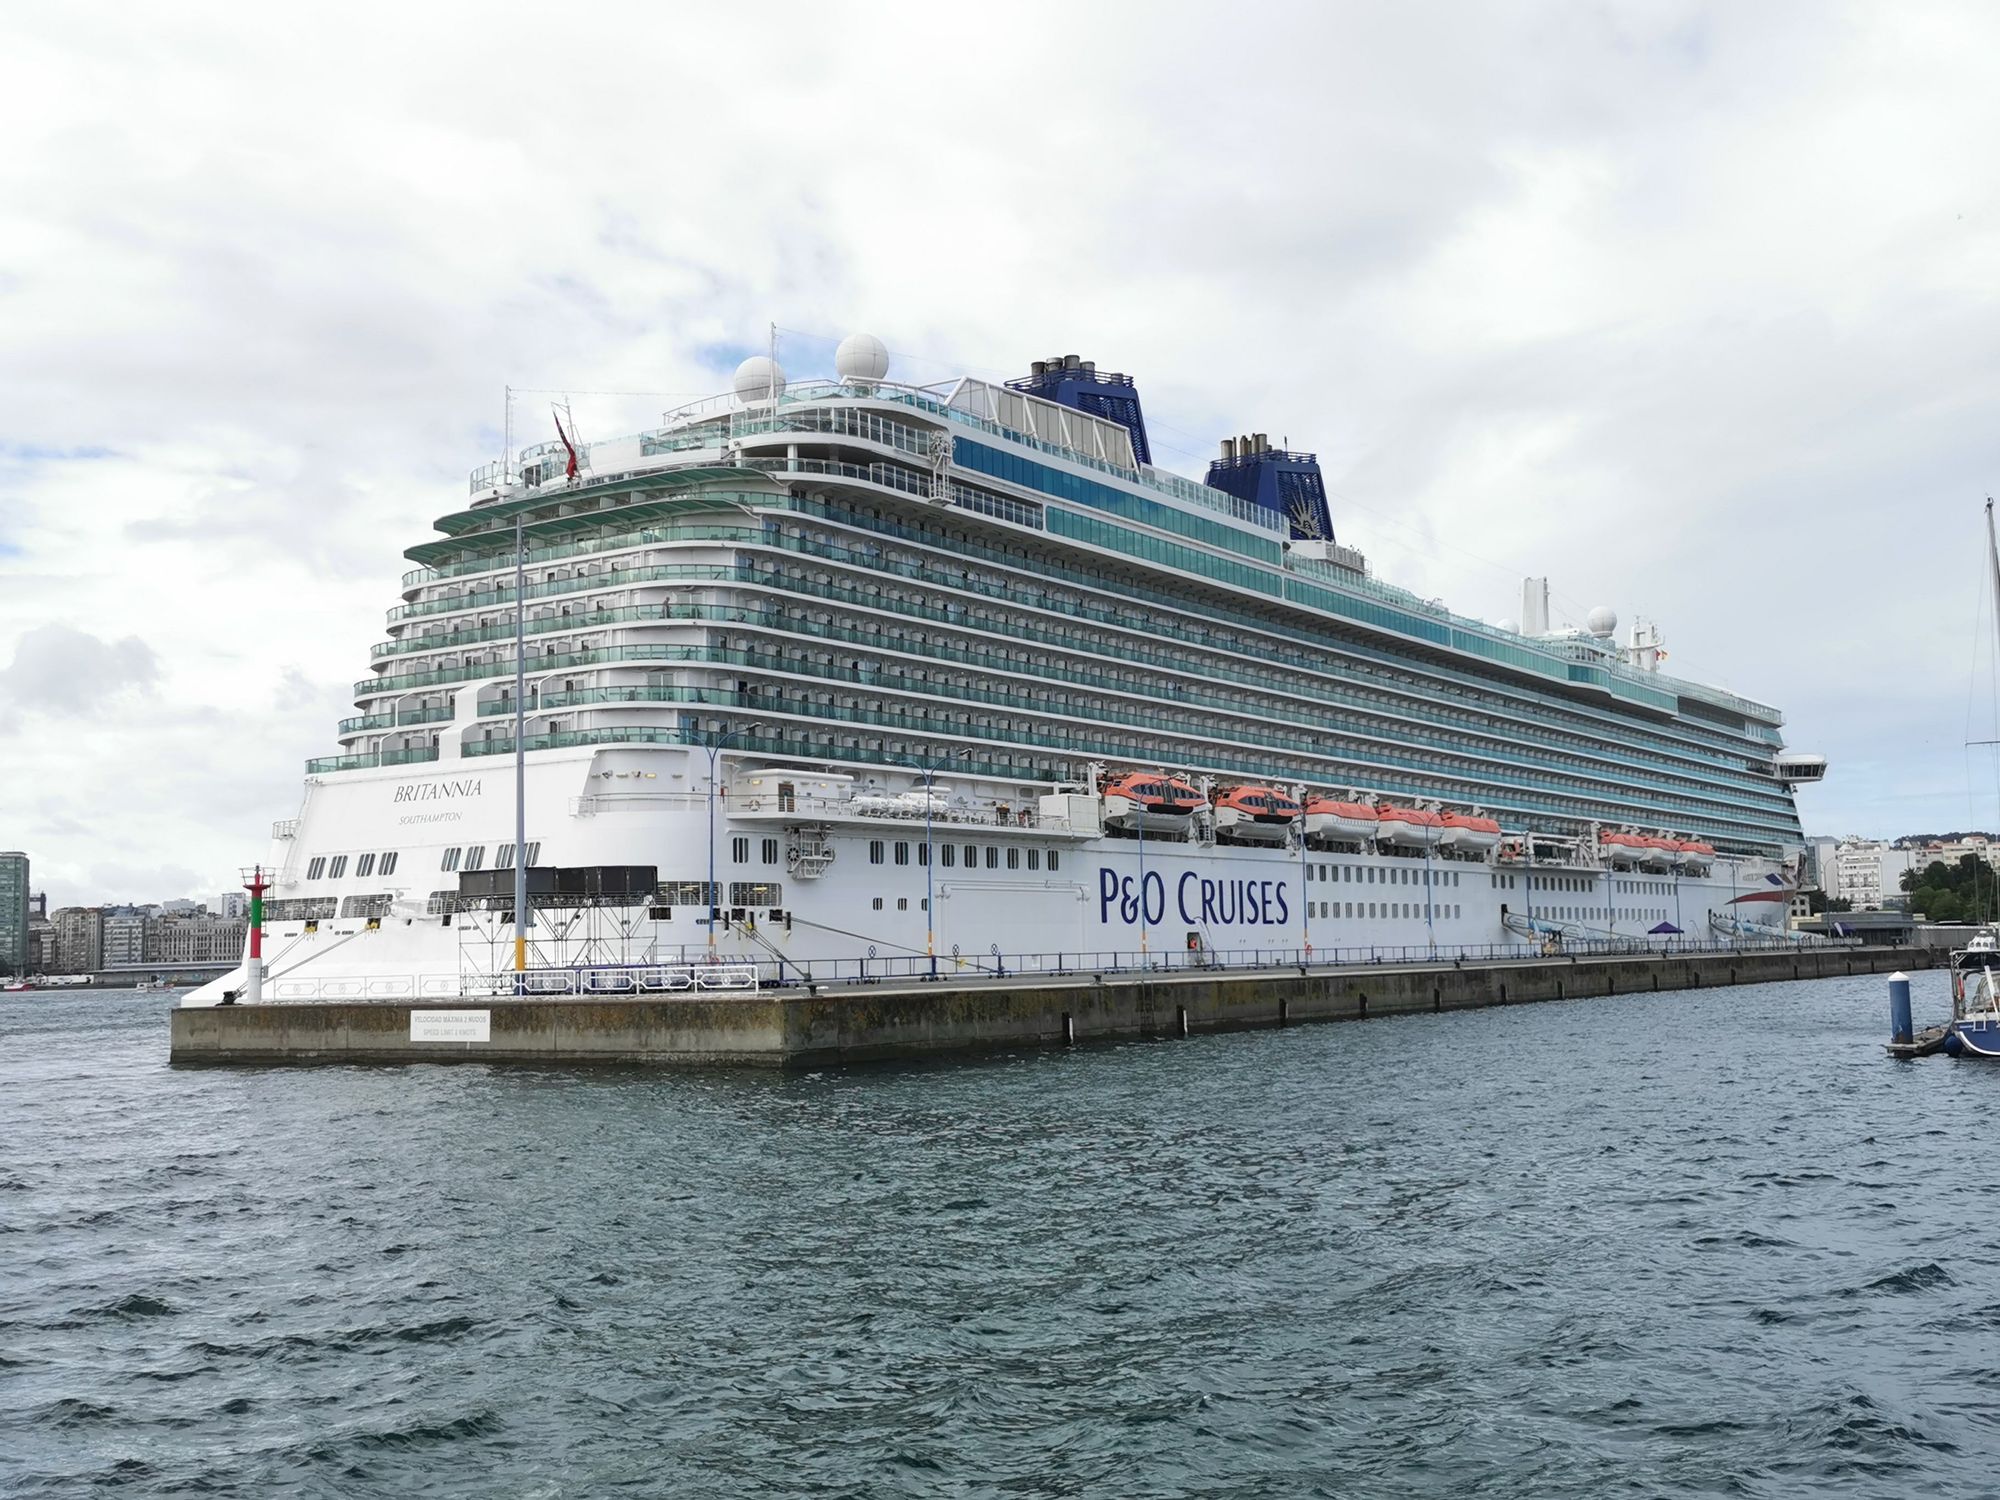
(1090, 962)
(733, 977)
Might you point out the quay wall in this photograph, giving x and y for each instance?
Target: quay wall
(861, 1023)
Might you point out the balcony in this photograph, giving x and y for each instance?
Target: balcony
(371, 760)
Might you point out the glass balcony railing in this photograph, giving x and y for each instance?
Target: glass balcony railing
(1042, 667)
(541, 625)
(391, 721)
(1081, 742)
(371, 760)
(1720, 773)
(1031, 596)
(1466, 759)
(1489, 641)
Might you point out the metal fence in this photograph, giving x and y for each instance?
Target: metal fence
(743, 974)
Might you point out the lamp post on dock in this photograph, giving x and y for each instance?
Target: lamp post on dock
(523, 918)
(1298, 792)
(712, 897)
(928, 765)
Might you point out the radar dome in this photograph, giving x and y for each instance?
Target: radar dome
(758, 379)
(861, 357)
(1512, 627)
(1602, 620)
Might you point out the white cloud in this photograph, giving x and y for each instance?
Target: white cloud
(68, 673)
(1688, 306)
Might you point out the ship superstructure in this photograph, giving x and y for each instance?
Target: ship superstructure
(873, 670)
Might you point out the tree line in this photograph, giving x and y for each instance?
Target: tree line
(1961, 892)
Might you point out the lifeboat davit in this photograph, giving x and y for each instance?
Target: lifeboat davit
(1659, 855)
(1408, 827)
(1695, 855)
(1255, 814)
(1146, 800)
(1469, 832)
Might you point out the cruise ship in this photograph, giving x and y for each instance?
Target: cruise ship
(848, 678)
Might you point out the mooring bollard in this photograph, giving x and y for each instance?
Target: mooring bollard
(1900, 1027)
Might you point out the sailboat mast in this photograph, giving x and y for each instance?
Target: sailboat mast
(1993, 565)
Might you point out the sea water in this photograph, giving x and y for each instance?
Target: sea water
(1710, 1242)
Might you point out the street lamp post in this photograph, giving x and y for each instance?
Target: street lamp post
(1298, 792)
(715, 749)
(929, 765)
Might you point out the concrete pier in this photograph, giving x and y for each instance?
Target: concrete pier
(860, 1023)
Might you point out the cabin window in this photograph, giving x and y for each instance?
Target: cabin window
(992, 857)
(364, 866)
(875, 848)
(503, 857)
(1013, 859)
(769, 850)
(739, 851)
(388, 865)
(1034, 859)
(450, 860)
(316, 867)
(902, 852)
(1052, 859)
(475, 857)
(971, 856)
(337, 868)
(948, 855)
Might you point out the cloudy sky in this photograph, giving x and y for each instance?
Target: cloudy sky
(1689, 307)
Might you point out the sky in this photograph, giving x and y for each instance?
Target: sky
(1690, 308)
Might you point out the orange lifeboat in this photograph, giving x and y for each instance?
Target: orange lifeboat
(1408, 827)
(1624, 848)
(1469, 832)
(1658, 854)
(1693, 854)
(1149, 801)
(1255, 814)
(1340, 822)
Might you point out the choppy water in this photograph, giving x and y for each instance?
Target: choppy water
(1700, 1243)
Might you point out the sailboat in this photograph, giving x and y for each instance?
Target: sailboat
(1974, 1030)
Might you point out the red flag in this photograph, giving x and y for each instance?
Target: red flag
(569, 472)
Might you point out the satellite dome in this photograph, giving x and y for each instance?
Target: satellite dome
(1602, 620)
(861, 357)
(758, 379)
(1512, 627)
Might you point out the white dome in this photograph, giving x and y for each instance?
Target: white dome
(758, 379)
(1512, 627)
(862, 357)
(1602, 620)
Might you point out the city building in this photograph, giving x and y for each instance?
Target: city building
(13, 912)
(232, 905)
(38, 907)
(79, 939)
(41, 946)
(199, 939)
(124, 937)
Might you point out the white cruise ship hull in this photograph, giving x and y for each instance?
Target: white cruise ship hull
(1016, 895)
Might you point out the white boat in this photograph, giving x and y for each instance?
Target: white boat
(1409, 827)
(1331, 821)
(728, 647)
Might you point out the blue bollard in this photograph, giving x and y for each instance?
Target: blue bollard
(1899, 1010)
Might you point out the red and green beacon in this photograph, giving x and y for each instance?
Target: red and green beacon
(256, 880)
